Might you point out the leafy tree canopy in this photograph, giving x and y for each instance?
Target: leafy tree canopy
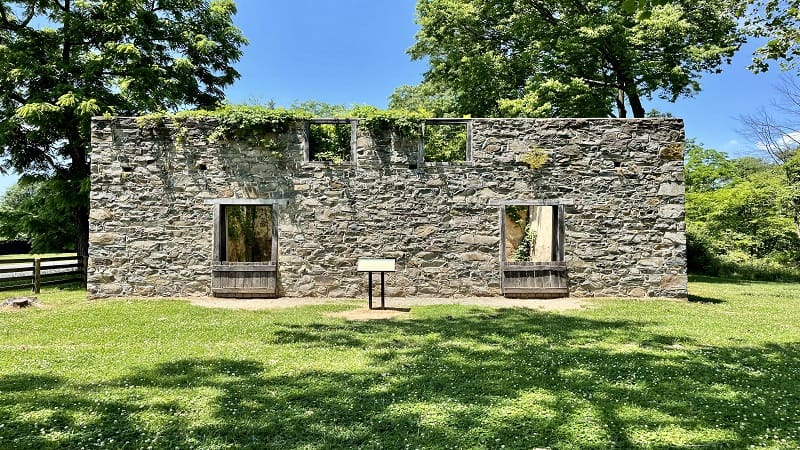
(741, 215)
(566, 58)
(62, 62)
(40, 211)
(778, 21)
(432, 99)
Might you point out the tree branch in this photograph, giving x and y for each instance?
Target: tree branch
(17, 98)
(6, 24)
(544, 13)
(13, 25)
(28, 19)
(777, 139)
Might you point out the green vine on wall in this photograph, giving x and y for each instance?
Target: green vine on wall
(408, 123)
(255, 123)
(525, 247)
(260, 126)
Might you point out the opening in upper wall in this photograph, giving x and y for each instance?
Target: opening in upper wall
(330, 140)
(445, 141)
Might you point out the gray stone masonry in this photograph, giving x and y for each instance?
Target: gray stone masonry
(621, 179)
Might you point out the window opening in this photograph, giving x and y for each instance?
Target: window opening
(532, 251)
(330, 141)
(245, 252)
(444, 141)
(533, 233)
(248, 234)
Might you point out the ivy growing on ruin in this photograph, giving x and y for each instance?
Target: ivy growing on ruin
(259, 125)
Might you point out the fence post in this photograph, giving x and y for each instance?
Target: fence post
(37, 272)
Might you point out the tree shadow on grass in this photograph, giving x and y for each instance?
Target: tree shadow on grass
(694, 278)
(700, 299)
(512, 378)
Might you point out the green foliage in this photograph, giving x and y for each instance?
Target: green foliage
(249, 123)
(525, 247)
(566, 58)
(706, 169)
(776, 22)
(329, 142)
(248, 233)
(445, 142)
(316, 108)
(535, 158)
(405, 121)
(42, 212)
(740, 216)
(433, 100)
(63, 62)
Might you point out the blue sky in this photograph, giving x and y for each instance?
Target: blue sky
(354, 52)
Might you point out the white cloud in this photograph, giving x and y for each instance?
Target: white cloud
(787, 140)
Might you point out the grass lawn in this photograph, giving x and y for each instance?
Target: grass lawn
(719, 371)
(35, 255)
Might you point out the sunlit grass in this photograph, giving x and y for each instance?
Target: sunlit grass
(33, 255)
(719, 371)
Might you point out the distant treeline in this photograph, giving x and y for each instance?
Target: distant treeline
(741, 216)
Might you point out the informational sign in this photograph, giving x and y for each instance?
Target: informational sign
(371, 265)
(376, 265)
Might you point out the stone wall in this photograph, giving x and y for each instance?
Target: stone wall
(621, 179)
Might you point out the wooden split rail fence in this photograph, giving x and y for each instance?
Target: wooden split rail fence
(37, 272)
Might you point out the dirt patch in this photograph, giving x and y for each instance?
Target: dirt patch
(558, 304)
(19, 303)
(373, 314)
(555, 304)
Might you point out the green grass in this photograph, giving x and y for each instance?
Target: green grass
(34, 255)
(719, 371)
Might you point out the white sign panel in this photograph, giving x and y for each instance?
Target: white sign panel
(376, 265)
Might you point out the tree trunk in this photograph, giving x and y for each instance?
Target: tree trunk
(626, 87)
(622, 112)
(82, 230)
(77, 150)
(635, 101)
(77, 173)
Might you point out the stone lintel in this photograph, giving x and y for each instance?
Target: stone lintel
(246, 201)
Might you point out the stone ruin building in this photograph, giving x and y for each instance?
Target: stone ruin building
(532, 208)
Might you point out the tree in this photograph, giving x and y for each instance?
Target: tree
(706, 169)
(62, 62)
(572, 58)
(739, 215)
(40, 211)
(780, 137)
(429, 98)
(779, 23)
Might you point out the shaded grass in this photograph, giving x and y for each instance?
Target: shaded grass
(721, 372)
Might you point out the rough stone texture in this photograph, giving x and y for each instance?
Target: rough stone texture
(151, 232)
